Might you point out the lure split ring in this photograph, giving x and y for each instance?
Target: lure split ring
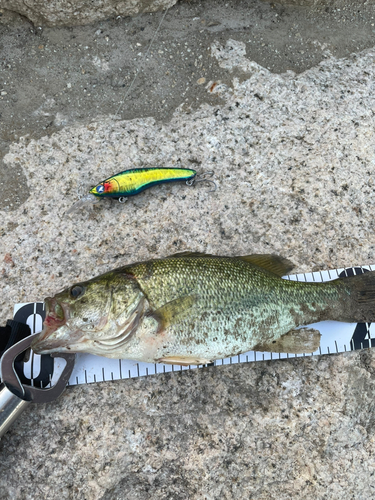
(134, 181)
(202, 178)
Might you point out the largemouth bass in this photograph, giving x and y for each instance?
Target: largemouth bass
(194, 308)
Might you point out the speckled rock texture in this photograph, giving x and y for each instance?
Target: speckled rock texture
(78, 12)
(297, 428)
(75, 12)
(293, 159)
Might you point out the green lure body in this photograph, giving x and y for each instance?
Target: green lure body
(134, 181)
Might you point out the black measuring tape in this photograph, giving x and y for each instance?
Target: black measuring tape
(16, 330)
(361, 336)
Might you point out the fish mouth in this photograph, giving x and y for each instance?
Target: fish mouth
(57, 314)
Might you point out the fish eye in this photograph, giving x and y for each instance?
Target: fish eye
(100, 188)
(76, 291)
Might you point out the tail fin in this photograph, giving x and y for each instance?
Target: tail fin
(359, 298)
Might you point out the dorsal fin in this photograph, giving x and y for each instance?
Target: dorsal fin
(274, 263)
(189, 254)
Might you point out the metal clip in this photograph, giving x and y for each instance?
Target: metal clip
(15, 396)
(26, 392)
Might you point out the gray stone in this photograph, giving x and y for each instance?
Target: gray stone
(293, 161)
(75, 12)
(292, 158)
(297, 428)
(326, 4)
(79, 12)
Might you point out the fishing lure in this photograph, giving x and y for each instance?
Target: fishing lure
(134, 181)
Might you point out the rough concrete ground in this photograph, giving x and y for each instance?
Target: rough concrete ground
(301, 428)
(66, 13)
(293, 157)
(58, 76)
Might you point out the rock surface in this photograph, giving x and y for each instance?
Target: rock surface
(297, 428)
(79, 12)
(293, 159)
(72, 13)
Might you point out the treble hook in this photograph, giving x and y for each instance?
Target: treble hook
(202, 178)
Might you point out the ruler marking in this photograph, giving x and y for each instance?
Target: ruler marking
(32, 368)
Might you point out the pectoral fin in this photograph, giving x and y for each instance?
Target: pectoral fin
(296, 341)
(175, 311)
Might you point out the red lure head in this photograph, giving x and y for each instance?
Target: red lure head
(106, 188)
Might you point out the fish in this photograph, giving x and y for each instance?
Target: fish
(193, 308)
(132, 182)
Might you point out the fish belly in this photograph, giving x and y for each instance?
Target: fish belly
(219, 307)
(210, 336)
